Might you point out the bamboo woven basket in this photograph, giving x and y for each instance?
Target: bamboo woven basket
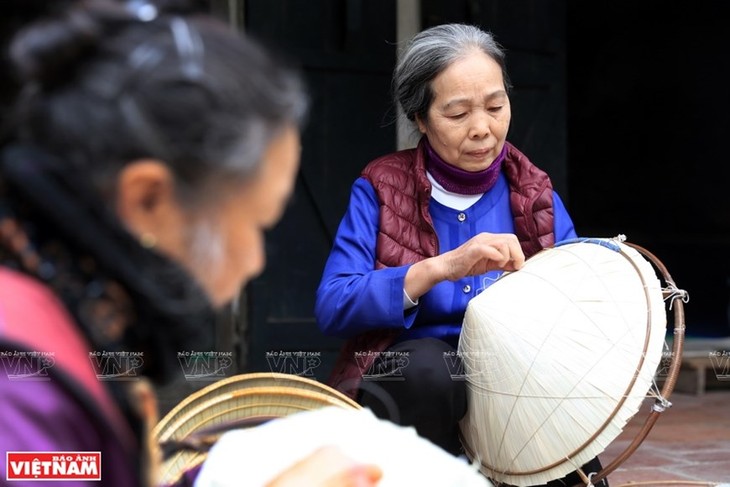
(244, 400)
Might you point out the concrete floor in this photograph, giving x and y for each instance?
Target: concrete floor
(688, 445)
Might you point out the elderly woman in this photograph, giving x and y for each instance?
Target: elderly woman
(429, 228)
(150, 152)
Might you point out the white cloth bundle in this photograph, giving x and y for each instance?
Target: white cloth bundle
(254, 456)
(558, 357)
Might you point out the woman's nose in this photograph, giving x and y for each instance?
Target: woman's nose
(480, 125)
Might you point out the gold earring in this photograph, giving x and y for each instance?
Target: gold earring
(148, 240)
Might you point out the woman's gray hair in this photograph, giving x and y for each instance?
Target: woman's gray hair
(428, 54)
(104, 88)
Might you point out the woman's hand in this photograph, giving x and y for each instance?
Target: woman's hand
(482, 253)
(328, 467)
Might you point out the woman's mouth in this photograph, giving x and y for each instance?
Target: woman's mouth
(479, 154)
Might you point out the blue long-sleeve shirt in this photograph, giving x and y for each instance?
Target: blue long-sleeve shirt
(353, 298)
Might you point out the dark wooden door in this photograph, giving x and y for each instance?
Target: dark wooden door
(347, 52)
(649, 105)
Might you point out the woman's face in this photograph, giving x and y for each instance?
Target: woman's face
(470, 113)
(241, 219)
(220, 242)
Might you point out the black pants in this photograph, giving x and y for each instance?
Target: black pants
(420, 383)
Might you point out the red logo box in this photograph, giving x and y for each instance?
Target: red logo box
(53, 465)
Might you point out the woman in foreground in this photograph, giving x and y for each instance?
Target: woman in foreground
(150, 150)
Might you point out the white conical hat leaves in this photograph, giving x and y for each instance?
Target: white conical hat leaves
(559, 356)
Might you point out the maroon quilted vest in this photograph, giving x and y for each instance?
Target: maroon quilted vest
(406, 234)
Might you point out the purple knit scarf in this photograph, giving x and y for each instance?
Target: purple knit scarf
(459, 181)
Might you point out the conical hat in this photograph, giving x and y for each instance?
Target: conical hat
(558, 357)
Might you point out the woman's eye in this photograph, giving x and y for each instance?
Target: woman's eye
(496, 109)
(457, 116)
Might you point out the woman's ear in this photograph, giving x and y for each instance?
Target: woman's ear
(145, 198)
(421, 124)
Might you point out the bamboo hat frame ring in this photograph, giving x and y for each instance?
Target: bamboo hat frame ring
(544, 397)
(671, 292)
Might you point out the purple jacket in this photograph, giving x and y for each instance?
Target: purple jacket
(50, 397)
